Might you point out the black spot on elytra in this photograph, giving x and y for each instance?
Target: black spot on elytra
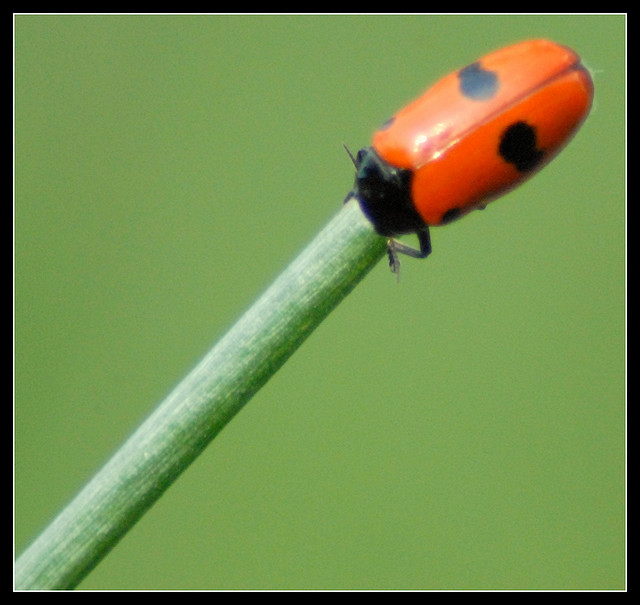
(519, 146)
(477, 83)
(450, 215)
(387, 123)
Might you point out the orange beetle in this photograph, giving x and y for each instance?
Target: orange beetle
(470, 138)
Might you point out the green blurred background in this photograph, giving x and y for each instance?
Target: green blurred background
(463, 429)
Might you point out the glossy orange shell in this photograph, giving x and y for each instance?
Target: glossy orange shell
(450, 141)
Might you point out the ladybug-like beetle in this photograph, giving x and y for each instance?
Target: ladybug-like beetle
(470, 138)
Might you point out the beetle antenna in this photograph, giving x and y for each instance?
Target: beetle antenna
(353, 159)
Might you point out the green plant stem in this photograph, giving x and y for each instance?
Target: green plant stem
(202, 404)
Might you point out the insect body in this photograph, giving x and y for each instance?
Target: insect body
(470, 138)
